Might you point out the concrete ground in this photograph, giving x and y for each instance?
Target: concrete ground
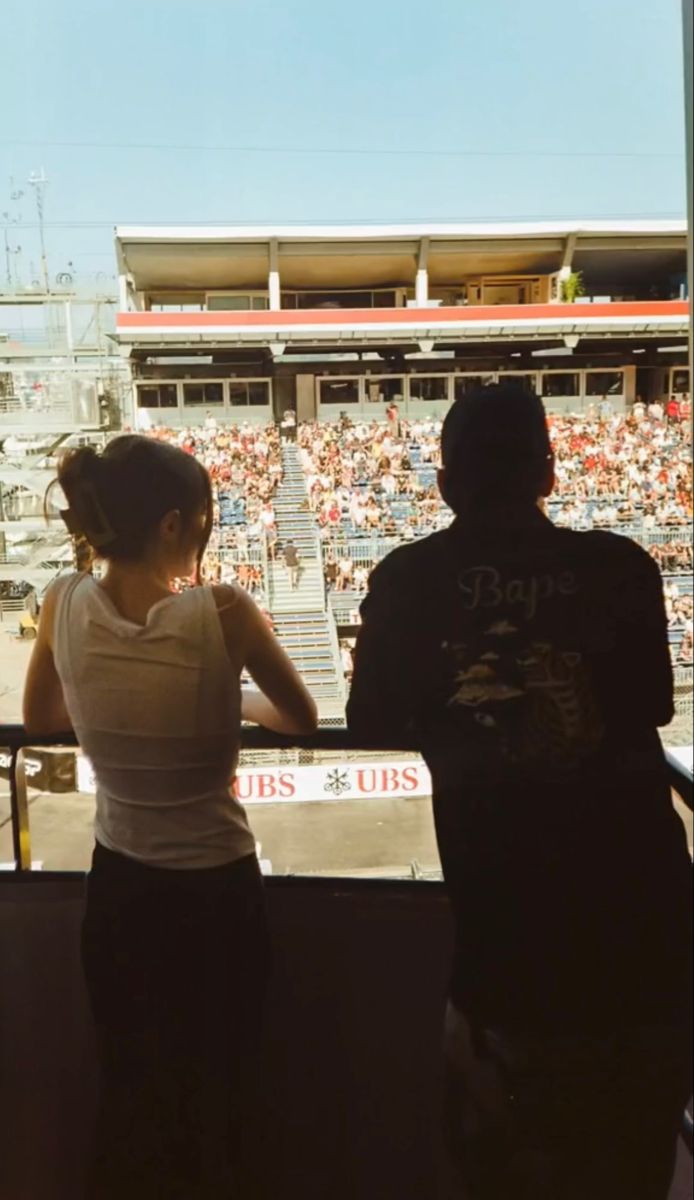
(355, 837)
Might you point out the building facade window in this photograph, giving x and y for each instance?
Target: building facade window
(604, 383)
(207, 394)
(375, 298)
(463, 384)
(249, 393)
(429, 387)
(238, 302)
(386, 390)
(339, 391)
(561, 383)
(157, 395)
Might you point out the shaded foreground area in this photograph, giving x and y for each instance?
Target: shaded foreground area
(351, 1068)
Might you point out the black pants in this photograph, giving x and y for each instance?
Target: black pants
(565, 1118)
(176, 965)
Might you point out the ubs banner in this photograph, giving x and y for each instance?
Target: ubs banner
(331, 781)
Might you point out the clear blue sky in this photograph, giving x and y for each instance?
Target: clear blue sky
(542, 108)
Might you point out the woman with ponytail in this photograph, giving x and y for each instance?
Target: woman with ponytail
(174, 940)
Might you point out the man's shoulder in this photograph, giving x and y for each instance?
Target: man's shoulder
(410, 559)
(605, 547)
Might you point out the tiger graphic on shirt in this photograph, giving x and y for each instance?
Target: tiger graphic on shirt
(534, 702)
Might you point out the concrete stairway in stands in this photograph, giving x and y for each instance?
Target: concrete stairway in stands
(307, 639)
(302, 623)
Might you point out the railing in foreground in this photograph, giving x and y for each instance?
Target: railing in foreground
(16, 739)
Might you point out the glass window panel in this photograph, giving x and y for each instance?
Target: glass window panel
(193, 393)
(528, 381)
(335, 300)
(565, 383)
(429, 387)
(680, 381)
(339, 391)
(148, 397)
(604, 383)
(258, 393)
(176, 307)
(203, 393)
(214, 393)
(228, 303)
(168, 397)
(238, 394)
(462, 384)
(385, 391)
(259, 302)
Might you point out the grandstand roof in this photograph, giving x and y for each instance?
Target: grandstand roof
(218, 256)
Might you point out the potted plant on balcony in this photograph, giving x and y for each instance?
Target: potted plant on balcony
(571, 287)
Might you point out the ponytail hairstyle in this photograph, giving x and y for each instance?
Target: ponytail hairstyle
(117, 499)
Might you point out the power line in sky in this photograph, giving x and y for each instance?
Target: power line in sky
(363, 221)
(341, 151)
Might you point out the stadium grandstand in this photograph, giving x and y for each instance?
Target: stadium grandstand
(310, 368)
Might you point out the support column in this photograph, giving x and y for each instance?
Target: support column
(629, 386)
(567, 256)
(273, 281)
(688, 31)
(305, 398)
(422, 279)
(129, 300)
(69, 339)
(566, 263)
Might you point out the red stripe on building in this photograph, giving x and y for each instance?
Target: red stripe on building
(291, 318)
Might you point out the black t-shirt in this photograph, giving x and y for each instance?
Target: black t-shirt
(530, 664)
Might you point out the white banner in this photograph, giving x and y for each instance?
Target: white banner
(327, 781)
(32, 766)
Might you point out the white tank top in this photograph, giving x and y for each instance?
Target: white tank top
(157, 709)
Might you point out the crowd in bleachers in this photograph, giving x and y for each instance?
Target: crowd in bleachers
(679, 608)
(614, 472)
(342, 573)
(371, 482)
(673, 558)
(621, 471)
(369, 479)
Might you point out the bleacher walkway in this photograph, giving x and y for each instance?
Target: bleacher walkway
(304, 627)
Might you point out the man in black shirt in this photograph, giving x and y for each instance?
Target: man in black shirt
(530, 664)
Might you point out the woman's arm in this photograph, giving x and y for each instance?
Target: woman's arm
(283, 702)
(43, 705)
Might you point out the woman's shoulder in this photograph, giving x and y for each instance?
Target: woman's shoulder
(226, 595)
(60, 586)
(55, 593)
